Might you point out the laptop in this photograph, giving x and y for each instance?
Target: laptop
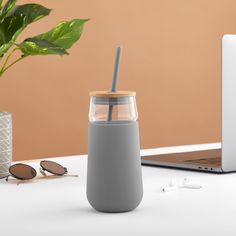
(217, 160)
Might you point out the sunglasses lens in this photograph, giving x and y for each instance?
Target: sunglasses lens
(22, 171)
(53, 167)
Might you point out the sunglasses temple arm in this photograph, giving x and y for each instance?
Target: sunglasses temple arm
(70, 175)
(7, 178)
(66, 171)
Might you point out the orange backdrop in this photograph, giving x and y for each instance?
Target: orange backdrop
(171, 58)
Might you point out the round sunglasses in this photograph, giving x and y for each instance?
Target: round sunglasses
(26, 172)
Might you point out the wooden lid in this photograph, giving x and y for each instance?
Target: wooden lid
(110, 94)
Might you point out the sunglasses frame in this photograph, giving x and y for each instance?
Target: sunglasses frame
(51, 172)
(42, 171)
(16, 177)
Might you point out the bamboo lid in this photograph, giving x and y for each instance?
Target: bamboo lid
(110, 94)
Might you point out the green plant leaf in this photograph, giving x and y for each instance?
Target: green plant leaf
(32, 12)
(65, 34)
(10, 28)
(34, 46)
(6, 9)
(16, 20)
(55, 41)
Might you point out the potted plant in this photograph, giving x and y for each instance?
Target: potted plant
(13, 20)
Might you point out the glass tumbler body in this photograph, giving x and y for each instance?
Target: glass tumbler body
(114, 177)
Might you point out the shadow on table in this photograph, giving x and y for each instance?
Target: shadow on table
(88, 211)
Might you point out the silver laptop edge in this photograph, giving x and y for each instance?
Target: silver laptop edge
(229, 102)
(228, 146)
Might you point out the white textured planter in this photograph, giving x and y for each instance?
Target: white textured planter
(5, 143)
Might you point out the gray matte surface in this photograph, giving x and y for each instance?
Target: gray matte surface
(114, 178)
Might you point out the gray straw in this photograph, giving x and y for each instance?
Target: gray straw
(114, 79)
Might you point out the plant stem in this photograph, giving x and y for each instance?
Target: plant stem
(13, 63)
(7, 59)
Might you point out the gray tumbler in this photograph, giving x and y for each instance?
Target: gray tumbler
(114, 177)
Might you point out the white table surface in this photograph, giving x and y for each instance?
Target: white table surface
(59, 206)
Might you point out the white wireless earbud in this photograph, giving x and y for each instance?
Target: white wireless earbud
(172, 186)
(187, 184)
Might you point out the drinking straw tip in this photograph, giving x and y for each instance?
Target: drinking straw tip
(116, 69)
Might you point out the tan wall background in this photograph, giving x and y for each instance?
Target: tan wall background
(171, 57)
